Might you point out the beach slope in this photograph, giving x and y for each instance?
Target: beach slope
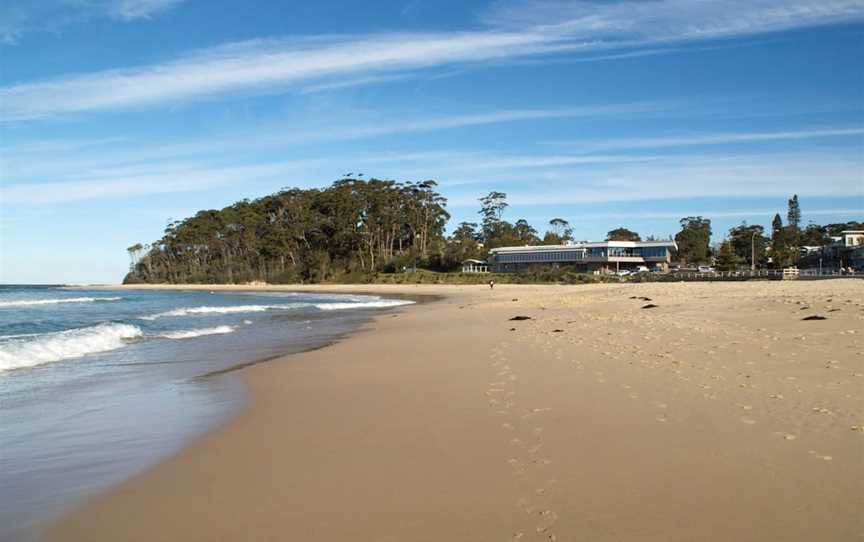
(650, 412)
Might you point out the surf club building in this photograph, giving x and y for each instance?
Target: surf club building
(602, 257)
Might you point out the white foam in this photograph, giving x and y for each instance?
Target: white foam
(191, 333)
(191, 311)
(50, 347)
(29, 302)
(381, 303)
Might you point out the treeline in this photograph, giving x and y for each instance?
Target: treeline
(750, 245)
(342, 233)
(296, 235)
(356, 228)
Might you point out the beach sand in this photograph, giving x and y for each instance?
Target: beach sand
(718, 414)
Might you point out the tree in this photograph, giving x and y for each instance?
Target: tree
(781, 251)
(463, 244)
(525, 233)
(301, 235)
(693, 240)
(815, 235)
(745, 240)
(727, 259)
(793, 219)
(134, 254)
(559, 232)
(793, 215)
(622, 234)
(492, 208)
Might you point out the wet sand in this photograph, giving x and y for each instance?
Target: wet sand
(718, 414)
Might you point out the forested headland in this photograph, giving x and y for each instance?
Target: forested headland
(355, 230)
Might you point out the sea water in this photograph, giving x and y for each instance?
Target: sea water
(96, 385)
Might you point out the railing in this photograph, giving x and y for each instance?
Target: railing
(769, 274)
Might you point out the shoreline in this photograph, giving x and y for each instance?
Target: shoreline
(442, 423)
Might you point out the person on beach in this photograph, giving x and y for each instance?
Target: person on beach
(491, 284)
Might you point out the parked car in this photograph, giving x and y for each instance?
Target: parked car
(643, 269)
(623, 273)
(705, 269)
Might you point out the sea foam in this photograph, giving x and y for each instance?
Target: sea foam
(193, 311)
(381, 303)
(29, 302)
(191, 333)
(74, 343)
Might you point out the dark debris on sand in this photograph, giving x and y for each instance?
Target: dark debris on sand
(519, 318)
(649, 306)
(814, 317)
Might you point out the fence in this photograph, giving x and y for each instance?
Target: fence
(765, 274)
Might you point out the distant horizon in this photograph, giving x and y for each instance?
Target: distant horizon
(119, 117)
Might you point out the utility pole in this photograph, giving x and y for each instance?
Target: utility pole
(753, 252)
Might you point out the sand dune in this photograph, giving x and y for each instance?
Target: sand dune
(720, 413)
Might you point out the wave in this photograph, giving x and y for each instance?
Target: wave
(223, 310)
(205, 310)
(50, 347)
(28, 302)
(191, 333)
(381, 303)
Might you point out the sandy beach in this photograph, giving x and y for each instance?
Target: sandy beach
(649, 412)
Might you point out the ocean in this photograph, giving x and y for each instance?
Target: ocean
(97, 385)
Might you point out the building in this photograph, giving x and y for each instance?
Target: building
(846, 250)
(474, 266)
(606, 256)
(851, 238)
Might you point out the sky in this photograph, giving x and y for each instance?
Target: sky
(119, 116)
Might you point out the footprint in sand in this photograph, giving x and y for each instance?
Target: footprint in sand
(546, 487)
(525, 505)
(547, 520)
(820, 456)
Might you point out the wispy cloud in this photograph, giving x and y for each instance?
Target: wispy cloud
(517, 31)
(531, 180)
(709, 139)
(18, 17)
(257, 66)
(664, 178)
(670, 20)
(133, 182)
(37, 160)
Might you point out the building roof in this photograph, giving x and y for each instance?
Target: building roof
(586, 245)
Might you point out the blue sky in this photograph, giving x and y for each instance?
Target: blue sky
(117, 116)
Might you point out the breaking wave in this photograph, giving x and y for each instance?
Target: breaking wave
(28, 302)
(74, 343)
(223, 310)
(191, 333)
(381, 303)
(199, 311)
